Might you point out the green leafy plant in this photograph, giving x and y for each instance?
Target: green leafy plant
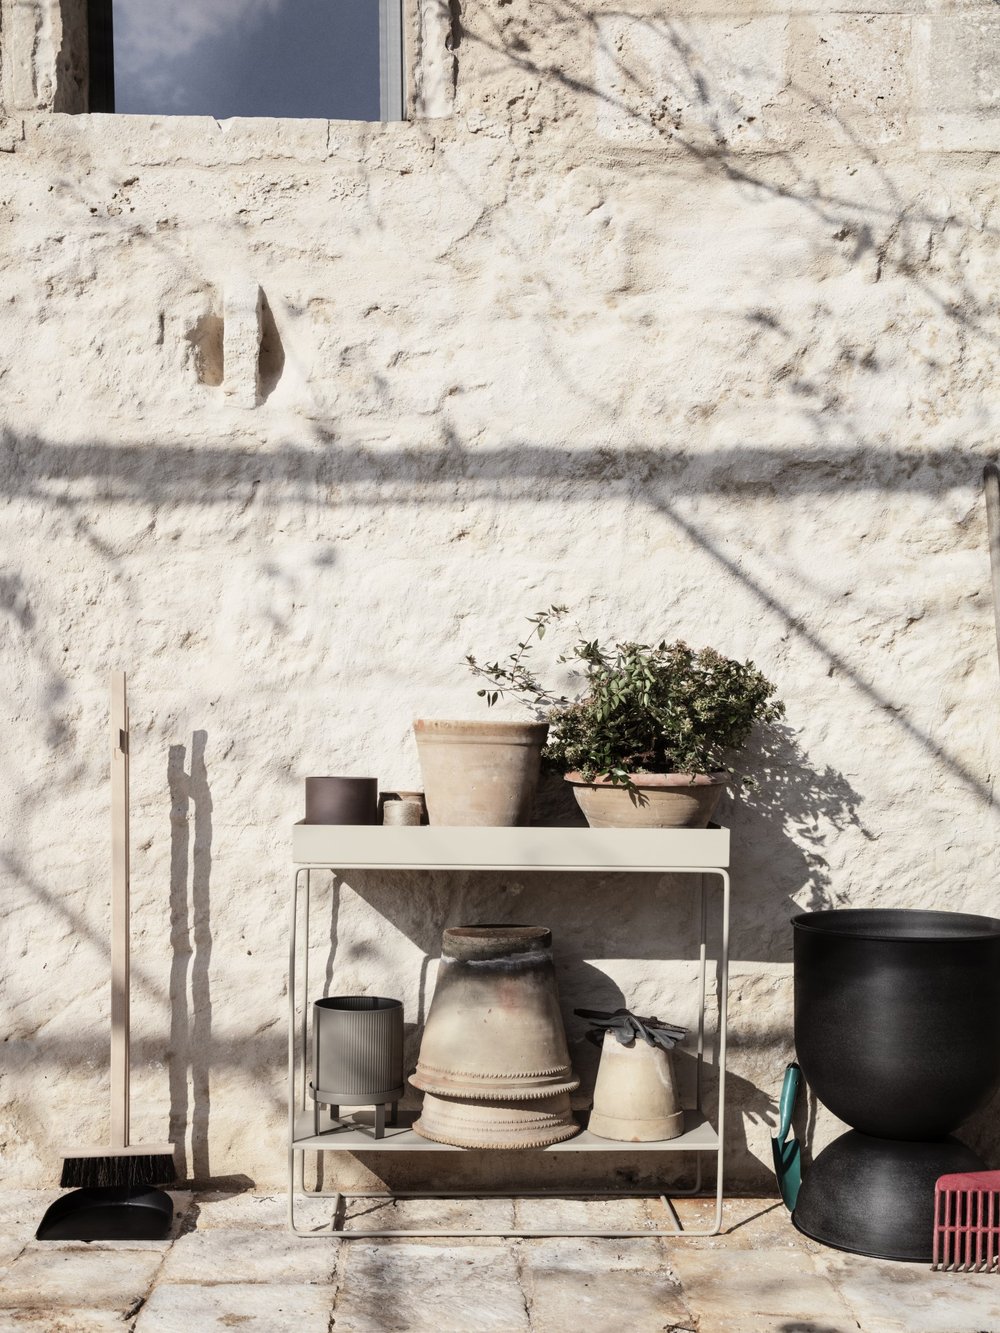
(642, 708)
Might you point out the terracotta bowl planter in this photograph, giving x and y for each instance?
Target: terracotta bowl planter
(480, 773)
(663, 800)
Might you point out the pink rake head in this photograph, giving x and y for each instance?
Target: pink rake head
(967, 1222)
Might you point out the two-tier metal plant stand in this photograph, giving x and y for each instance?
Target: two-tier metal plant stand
(339, 848)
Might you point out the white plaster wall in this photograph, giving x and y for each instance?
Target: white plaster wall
(598, 338)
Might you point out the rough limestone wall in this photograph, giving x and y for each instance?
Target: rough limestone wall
(691, 324)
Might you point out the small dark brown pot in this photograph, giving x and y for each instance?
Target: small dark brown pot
(341, 800)
(660, 800)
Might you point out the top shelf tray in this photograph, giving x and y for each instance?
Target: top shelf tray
(363, 847)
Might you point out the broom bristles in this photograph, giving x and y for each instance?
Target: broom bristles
(125, 1171)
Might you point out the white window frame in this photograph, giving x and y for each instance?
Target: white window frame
(392, 67)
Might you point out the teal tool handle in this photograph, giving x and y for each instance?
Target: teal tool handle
(789, 1091)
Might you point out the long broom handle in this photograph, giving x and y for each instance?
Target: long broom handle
(119, 914)
(991, 481)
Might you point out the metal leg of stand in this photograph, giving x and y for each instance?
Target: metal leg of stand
(723, 1035)
(702, 972)
(292, 1099)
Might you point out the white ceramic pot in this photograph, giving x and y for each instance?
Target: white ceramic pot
(635, 1097)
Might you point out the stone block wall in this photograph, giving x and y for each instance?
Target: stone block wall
(686, 319)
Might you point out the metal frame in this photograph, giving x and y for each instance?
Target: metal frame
(392, 78)
(100, 56)
(301, 1108)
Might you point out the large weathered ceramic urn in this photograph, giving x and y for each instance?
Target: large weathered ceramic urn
(494, 1063)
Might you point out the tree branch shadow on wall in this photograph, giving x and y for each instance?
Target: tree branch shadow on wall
(780, 828)
(219, 475)
(893, 232)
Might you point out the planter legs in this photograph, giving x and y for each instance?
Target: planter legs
(381, 1118)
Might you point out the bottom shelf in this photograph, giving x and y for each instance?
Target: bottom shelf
(356, 1134)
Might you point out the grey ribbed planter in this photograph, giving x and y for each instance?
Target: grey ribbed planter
(358, 1054)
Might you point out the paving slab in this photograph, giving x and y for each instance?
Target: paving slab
(9, 1251)
(217, 1209)
(598, 1284)
(432, 1215)
(407, 1287)
(248, 1211)
(259, 1212)
(910, 1298)
(63, 1321)
(733, 1291)
(769, 1323)
(583, 1254)
(10, 1247)
(245, 1256)
(250, 1308)
(20, 1213)
(234, 1264)
(49, 1277)
(746, 1224)
(590, 1214)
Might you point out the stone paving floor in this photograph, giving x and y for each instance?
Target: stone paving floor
(230, 1264)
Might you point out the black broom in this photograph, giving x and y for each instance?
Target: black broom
(113, 1198)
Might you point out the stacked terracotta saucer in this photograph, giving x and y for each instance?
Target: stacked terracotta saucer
(494, 1065)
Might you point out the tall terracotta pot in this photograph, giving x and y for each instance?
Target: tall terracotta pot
(480, 773)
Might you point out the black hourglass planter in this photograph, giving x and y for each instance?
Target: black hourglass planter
(897, 1031)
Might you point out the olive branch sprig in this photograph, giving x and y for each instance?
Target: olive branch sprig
(514, 676)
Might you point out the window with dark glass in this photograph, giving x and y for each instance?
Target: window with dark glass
(330, 59)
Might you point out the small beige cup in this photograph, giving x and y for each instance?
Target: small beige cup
(401, 809)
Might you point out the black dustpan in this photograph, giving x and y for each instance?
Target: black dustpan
(108, 1214)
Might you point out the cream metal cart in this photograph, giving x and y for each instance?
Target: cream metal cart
(339, 848)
